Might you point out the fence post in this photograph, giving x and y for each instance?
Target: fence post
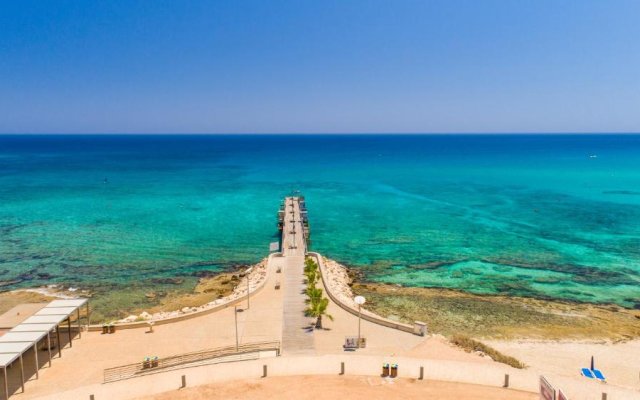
(421, 373)
(264, 371)
(184, 382)
(342, 368)
(506, 381)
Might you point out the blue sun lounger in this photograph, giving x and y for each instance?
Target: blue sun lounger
(586, 372)
(598, 374)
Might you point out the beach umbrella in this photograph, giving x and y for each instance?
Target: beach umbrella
(592, 364)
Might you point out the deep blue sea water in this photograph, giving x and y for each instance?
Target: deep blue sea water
(547, 216)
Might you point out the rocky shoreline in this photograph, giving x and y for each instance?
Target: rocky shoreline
(450, 312)
(218, 288)
(340, 281)
(256, 276)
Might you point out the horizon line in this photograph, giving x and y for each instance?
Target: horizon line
(313, 133)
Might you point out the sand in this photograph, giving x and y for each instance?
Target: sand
(351, 387)
(8, 300)
(620, 362)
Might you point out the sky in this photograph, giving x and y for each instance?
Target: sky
(349, 66)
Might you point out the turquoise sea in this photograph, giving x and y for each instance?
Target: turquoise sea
(546, 216)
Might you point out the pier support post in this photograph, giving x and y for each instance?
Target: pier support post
(342, 368)
(58, 341)
(184, 382)
(506, 381)
(421, 377)
(69, 328)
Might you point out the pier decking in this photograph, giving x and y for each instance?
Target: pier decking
(297, 336)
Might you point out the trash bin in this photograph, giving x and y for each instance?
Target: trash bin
(394, 370)
(385, 370)
(105, 329)
(112, 328)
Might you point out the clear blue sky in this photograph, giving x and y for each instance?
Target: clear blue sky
(322, 66)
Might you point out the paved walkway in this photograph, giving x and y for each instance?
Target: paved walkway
(297, 337)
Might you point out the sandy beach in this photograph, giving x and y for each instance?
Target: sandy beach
(331, 387)
(618, 361)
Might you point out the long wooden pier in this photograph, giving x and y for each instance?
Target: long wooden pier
(297, 334)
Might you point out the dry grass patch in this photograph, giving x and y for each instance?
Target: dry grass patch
(471, 345)
(8, 300)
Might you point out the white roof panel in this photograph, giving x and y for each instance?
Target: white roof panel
(43, 319)
(56, 311)
(68, 303)
(7, 359)
(34, 327)
(22, 337)
(15, 347)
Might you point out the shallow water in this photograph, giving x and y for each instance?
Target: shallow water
(522, 215)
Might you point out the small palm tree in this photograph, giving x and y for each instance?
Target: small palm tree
(311, 271)
(312, 277)
(313, 293)
(318, 309)
(310, 265)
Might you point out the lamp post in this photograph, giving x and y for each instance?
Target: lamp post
(248, 273)
(235, 314)
(360, 300)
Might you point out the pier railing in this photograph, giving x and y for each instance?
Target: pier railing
(221, 354)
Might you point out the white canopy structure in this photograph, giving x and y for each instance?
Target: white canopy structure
(15, 343)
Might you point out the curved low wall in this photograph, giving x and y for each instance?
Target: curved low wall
(376, 319)
(185, 316)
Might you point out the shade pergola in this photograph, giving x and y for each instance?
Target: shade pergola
(28, 334)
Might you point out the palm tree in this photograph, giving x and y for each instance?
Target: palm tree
(314, 294)
(318, 309)
(310, 265)
(311, 271)
(312, 277)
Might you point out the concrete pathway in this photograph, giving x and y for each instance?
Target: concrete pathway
(297, 337)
